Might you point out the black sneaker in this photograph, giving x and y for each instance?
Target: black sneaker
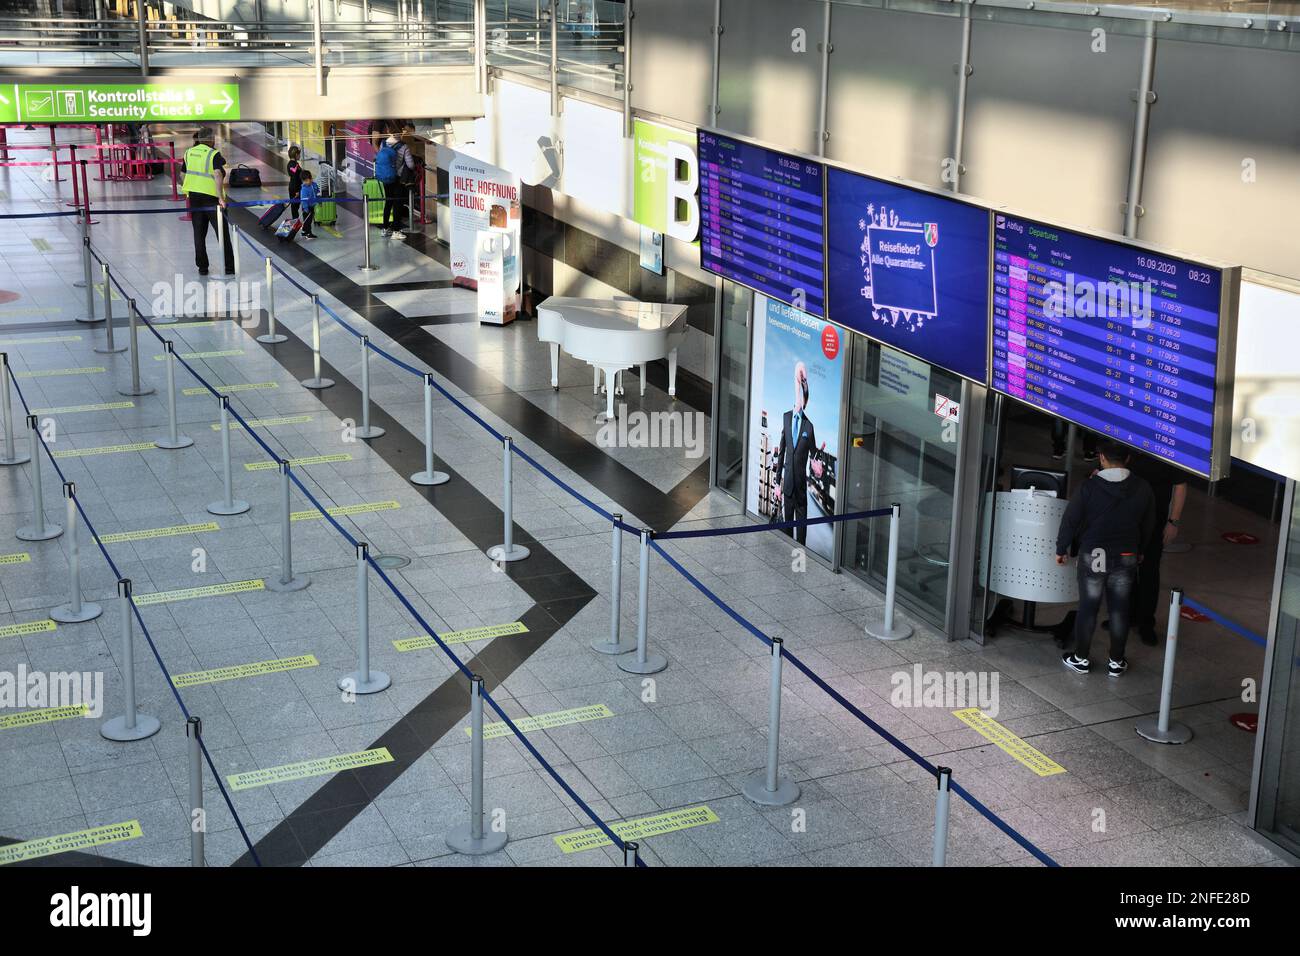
(203, 272)
(1077, 664)
(1115, 668)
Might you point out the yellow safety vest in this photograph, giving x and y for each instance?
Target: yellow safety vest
(198, 171)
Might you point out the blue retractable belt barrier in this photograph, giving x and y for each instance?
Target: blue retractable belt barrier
(1230, 625)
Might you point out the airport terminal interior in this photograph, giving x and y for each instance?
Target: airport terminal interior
(671, 433)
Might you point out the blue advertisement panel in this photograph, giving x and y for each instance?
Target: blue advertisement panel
(910, 269)
(1114, 337)
(794, 420)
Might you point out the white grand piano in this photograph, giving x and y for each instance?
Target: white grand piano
(612, 335)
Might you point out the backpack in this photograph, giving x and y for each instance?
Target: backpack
(386, 164)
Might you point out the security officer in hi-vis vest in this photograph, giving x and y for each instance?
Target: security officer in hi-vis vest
(205, 187)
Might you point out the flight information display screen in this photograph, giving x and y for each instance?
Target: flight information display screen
(761, 220)
(909, 268)
(1115, 338)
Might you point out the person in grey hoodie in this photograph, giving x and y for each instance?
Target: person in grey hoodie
(1106, 524)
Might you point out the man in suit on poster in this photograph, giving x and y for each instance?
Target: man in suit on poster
(790, 471)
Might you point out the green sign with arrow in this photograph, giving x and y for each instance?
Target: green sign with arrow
(118, 102)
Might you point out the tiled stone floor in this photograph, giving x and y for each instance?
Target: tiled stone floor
(689, 737)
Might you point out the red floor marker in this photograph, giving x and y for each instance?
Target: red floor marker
(1191, 614)
(1239, 537)
(6, 296)
(1246, 722)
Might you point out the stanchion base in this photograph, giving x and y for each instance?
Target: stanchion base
(604, 646)
(16, 460)
(182, 441)
(896, 633)
(353, 682)
(373, 431)
(236, 507)
(498, 552)
(460, 840)
(653, 664)
(64, 615)
(116, 728)
(51, 532)
(296, 583)
(368, 268)
(317, 383)
(755, 790)
(428, 480)
(142, 390)
(105, 350)
(272, 339)
(1149, 728)
(88, 321)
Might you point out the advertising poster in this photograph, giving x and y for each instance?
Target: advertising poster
(652, 251)
(794, 424)
(665, 180)
(491, 282)
(483, 197)
(910, 269)
(360, 149)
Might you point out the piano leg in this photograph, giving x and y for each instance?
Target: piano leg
(672, 372)
(643, 379)
(609, 393)
(595, 380)
(618, 382)
(555, 365)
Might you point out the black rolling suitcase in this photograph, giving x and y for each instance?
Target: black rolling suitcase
(272, 215)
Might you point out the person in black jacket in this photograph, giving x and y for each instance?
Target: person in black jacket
(793, 462)
(1107, 523)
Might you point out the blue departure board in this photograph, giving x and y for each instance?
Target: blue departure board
(909, 268)
(761, 220)
(1116, 338)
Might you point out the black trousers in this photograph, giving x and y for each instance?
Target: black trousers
(796, 510)
(308, 218)
(394, 204)
(1115, 582)
(201, 217)
(1146, 597)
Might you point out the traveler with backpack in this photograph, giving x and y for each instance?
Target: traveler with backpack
(309, 196)
(394, 168)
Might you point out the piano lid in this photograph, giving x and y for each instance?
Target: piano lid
(615, 314)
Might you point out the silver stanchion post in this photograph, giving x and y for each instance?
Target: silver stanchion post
(429, 476)
(198, 816)
(366, 430)
(39, 529)
(221, 233)
(944, 776)
(109, 347)
(130, 726)
(614, 644)
(89, 318)
(11, 454)
(765, 788)
(287, 581)
(471, 838)
(174, 438)
(316, 381)
(365, 234)
(1161, 729)
(134, 342)
(887, 629)
(75, 611)
(234, 238)
(229, 504)
(271, 337)
(631, 852)
(508, 551)
(643, 662)
(363, 680)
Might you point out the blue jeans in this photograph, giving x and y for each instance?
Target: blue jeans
(1116, 582)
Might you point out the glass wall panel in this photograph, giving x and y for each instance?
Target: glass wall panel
(733, 386)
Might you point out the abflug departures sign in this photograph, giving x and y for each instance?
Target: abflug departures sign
(909, 268)
(761, 220)
(1122, 340)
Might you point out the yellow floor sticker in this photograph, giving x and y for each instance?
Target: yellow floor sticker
(308, 768)
(42, 245)
(145, 534)
(462, 637)
(295, 462)
(74, 409)
(267, 422)
(216, 675)
(53, 372)
(559, 718)
(637, 829)
(105, 450)
(41, 340)
(66, 842)
(242, 387)
(21, 558)
(30, 718)
(342, 511)
(223, 353)
(30, 627)
(1005, 740)
(209, 590)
